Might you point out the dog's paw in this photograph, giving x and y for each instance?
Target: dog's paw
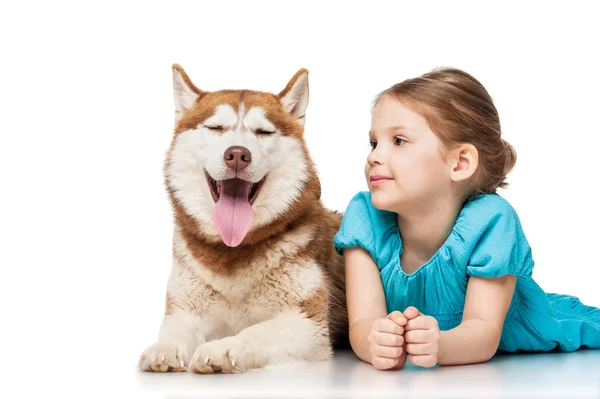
(221, 356)
(164, 357)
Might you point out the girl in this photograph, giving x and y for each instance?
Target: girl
(437, 265)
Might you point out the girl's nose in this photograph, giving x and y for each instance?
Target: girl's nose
(374, 158)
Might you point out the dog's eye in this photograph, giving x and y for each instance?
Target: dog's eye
(217, 128)
(264, 131)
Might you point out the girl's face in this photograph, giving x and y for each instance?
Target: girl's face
(405, 169)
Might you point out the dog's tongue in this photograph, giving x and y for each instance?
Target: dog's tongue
(233, 213)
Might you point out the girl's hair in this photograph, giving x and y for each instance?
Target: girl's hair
(459, 110)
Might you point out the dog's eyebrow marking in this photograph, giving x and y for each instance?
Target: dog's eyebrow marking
(256, 119)
(224, 116)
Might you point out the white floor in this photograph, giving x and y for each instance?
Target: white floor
(550, 375)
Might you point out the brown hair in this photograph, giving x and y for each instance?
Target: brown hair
(459, 110)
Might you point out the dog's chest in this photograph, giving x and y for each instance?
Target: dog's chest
(256, 293)
(278, 280)
(261, 284)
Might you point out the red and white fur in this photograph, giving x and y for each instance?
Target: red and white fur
(255, 279)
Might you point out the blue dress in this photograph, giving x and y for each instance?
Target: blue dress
(486, 241)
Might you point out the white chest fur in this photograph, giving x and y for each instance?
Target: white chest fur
(278, 281)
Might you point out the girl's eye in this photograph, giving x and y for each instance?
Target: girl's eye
(373, 144)
(399, 141)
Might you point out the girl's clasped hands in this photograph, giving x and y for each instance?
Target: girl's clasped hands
(400, 334)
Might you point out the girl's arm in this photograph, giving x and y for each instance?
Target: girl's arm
(477, 338)
(364, 297)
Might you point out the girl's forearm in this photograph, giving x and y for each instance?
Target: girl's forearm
(359, 338)
(473, 341)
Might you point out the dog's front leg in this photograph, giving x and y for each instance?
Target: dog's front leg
(288, 337)
(179, 335)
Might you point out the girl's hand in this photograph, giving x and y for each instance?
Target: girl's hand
(422, 335)
(386, 342)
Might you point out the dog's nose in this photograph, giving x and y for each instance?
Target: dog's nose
(237, 157)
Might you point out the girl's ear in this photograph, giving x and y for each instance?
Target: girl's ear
(463, 162)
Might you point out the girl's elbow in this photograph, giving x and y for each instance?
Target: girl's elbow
(491, 351)
(494, 337)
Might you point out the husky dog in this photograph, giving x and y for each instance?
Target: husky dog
(255, 279)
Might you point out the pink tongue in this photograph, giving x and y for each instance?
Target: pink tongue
(233, 213)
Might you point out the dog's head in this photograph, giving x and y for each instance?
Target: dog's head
(238, 161)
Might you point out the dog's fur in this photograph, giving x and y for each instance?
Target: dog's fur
(276, 297)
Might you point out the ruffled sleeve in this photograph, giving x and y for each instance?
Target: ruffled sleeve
(499, 246)
(367, 227)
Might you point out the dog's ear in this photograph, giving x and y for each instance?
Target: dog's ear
(294, 97)
(184, 92)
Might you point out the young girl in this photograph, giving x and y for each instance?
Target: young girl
(437, 265)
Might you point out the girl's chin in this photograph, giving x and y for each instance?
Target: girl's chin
(380, 200)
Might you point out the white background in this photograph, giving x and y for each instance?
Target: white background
(87, 114)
